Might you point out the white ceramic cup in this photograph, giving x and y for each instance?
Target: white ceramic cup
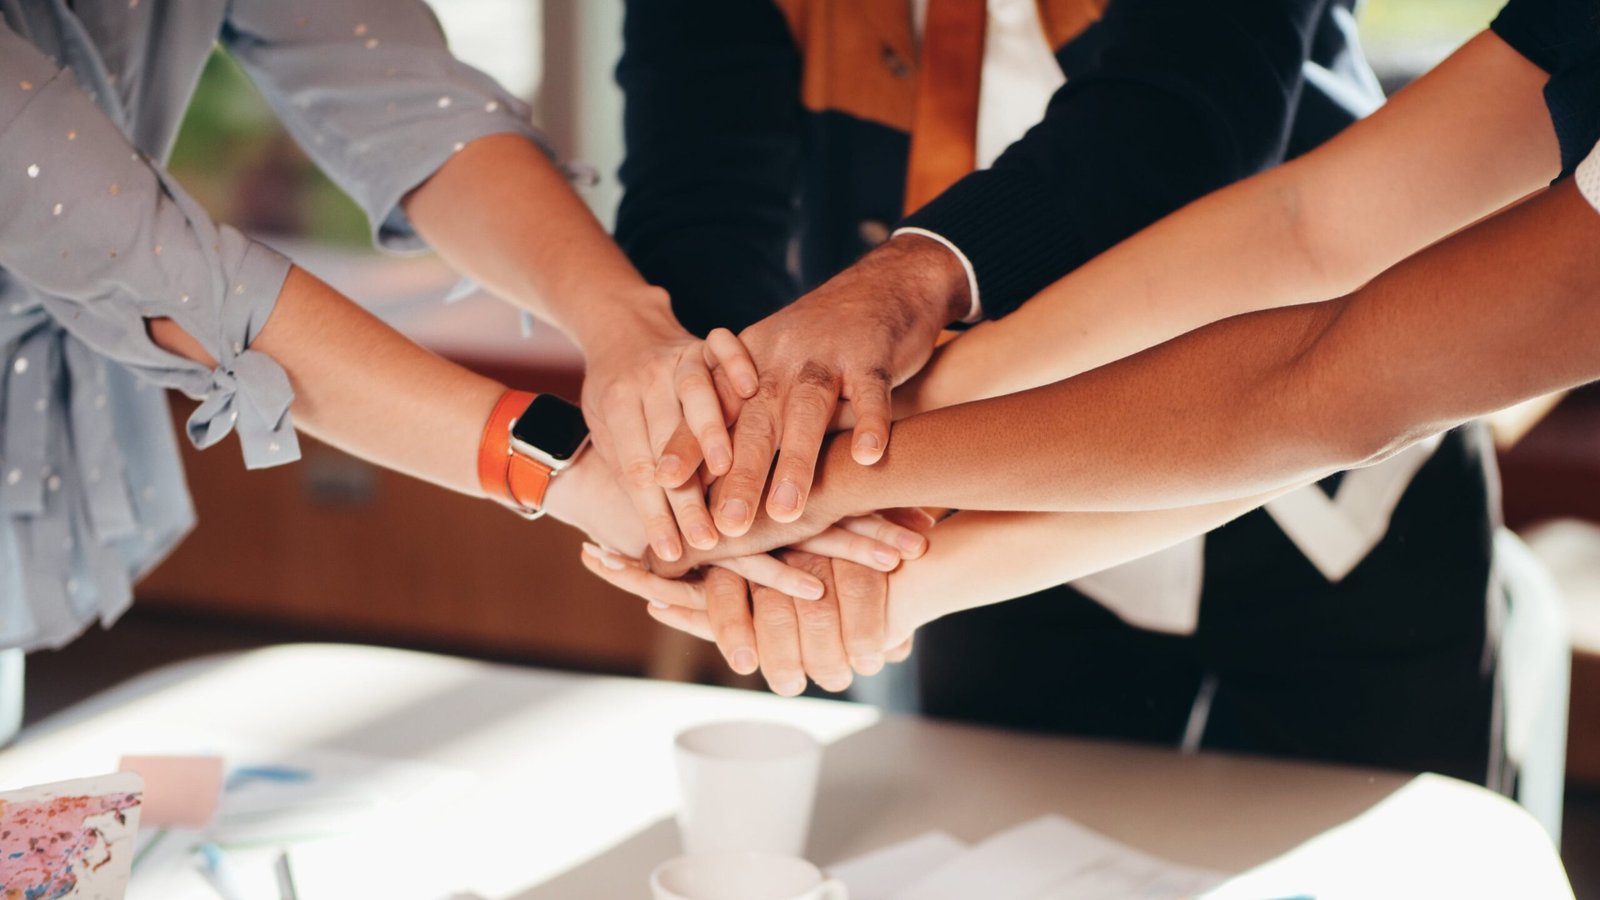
(746, 786)
(742, 875)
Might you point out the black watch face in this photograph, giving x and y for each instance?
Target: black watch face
(553, 425)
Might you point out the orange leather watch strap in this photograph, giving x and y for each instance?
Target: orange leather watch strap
(528, 479)
(494, 449)
(944, 126)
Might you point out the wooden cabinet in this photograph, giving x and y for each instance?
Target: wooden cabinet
(333, 545)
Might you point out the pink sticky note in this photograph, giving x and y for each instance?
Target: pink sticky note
(179, 791)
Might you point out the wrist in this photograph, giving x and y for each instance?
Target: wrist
(939, 289)
(626, 320)
(564, 499)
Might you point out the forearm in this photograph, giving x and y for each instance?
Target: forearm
(1464, 141)
(501, 213)
(1178, 274)
(978, 558)
(1496, 314)
(361, 386)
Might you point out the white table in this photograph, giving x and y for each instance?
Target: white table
(585, 762)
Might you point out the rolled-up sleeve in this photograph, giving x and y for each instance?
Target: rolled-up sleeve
(106, 241)
(370, 90)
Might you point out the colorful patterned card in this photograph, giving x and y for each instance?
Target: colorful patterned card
(71, 839)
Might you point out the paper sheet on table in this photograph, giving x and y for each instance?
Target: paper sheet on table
(1049, 858)
(881, 874)
(1424, 840)
(282, 798)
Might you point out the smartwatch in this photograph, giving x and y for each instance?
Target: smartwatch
(529, 439)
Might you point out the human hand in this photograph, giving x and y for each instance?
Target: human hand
(843, 493)
(641, 384)
(853, 338)
(586, 496)
(878, 542)
(852, 628)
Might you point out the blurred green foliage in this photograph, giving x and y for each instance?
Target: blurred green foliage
(232, 154)
(1400, 20)
(230, 137)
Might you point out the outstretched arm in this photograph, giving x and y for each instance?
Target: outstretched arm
(1498, 313)
(1465, 140)
(865, 618)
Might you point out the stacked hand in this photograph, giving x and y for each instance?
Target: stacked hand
(660, 405)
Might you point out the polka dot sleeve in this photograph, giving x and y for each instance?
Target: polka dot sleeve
(370, 90)
(106, 241)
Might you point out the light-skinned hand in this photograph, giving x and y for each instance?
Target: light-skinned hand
(852, 339)
(640, 387)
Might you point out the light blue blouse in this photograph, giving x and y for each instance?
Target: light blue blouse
(97, 238)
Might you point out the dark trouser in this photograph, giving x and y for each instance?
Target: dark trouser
(1386, 668)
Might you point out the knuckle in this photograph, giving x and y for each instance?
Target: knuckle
(815, 374)
(743, 481)
(772, 616)
(755, 421)
(810, 405)
(616, 392)
(885, 532)
(694, 380)
(819, 619)
(727, 607)
(873, 381)
(641, 473)
(860, 583)
(861, 547)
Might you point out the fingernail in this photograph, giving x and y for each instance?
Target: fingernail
(612, 561)
(667, 550)
(810, 589)
(593, 550)
(702, 536)
(912, 543)
(718, 459)
(667, 468)
(735, 512)
(659, 604)
(868, 442)
(746, 386)
(786, 497)
(744, 661)
(885, 557)
(791, 688)
(868, 664)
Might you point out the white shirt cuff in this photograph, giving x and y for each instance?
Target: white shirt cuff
(974, 312)
(1588, 178)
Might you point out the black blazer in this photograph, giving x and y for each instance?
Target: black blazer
(739, 196)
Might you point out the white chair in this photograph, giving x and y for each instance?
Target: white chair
(1535, 680)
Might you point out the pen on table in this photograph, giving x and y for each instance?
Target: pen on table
(213, 866)
(286, 889)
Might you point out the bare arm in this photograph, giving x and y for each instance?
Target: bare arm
(1465, 140)
(500, 212)
(980, 558)
(865, 618)
(363, 387)
(1498, 313)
